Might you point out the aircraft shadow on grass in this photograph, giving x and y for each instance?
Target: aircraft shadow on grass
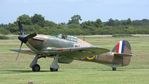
(20, 71)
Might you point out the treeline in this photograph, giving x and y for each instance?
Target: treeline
(38, 24)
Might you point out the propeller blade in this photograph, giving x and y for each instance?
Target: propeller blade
(19, 51)
(31, 35)
(21, 29)
(23, 38)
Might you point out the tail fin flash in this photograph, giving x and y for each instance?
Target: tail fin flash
(122, 53)
(122, 47)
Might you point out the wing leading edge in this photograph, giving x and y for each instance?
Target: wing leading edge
(75, 52)
(23, 50)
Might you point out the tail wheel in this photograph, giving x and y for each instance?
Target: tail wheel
(114, 68)
(36, 68)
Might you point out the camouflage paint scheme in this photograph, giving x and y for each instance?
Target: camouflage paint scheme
(113, 57)
(50, 46)
(65, 49)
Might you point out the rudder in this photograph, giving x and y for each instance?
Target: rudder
(122, 53)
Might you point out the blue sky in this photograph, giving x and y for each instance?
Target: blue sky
(61, 10)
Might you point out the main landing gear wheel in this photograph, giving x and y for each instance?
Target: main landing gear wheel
(54, 66)
(36, 68)
(53, 70)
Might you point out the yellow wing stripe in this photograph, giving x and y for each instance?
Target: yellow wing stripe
(91, 58)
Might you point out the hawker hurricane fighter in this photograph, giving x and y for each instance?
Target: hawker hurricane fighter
(65, 49)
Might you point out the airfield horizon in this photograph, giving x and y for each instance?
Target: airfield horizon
(18, 72)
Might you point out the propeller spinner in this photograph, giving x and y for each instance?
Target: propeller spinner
(23, 38)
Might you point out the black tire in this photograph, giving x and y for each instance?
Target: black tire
(36, 68)
(53, 70)
(114, 68)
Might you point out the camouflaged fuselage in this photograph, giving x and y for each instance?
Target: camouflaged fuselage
(40, 43)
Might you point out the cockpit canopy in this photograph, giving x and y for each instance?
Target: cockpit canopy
(68, 37)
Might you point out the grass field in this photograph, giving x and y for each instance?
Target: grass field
(18, 72)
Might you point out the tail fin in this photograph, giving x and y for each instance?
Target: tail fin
(122, 47)
(122, 53)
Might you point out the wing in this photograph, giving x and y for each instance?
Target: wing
(73, 52)
(23, 50)
(77, 52)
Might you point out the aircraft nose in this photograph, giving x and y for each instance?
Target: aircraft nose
(22, 38)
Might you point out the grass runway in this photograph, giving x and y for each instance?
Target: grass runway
(78, 72)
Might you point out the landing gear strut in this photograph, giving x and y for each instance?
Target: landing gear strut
(54, 66)
(35, 67)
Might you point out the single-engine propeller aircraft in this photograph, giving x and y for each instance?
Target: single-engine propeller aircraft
(65, 49)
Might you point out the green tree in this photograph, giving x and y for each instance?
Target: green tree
(111, 22)
(38, 19)
(98, 23)
(75, 19)
(25, 19)
(49, 24)
(4, 31)
(128, 21)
